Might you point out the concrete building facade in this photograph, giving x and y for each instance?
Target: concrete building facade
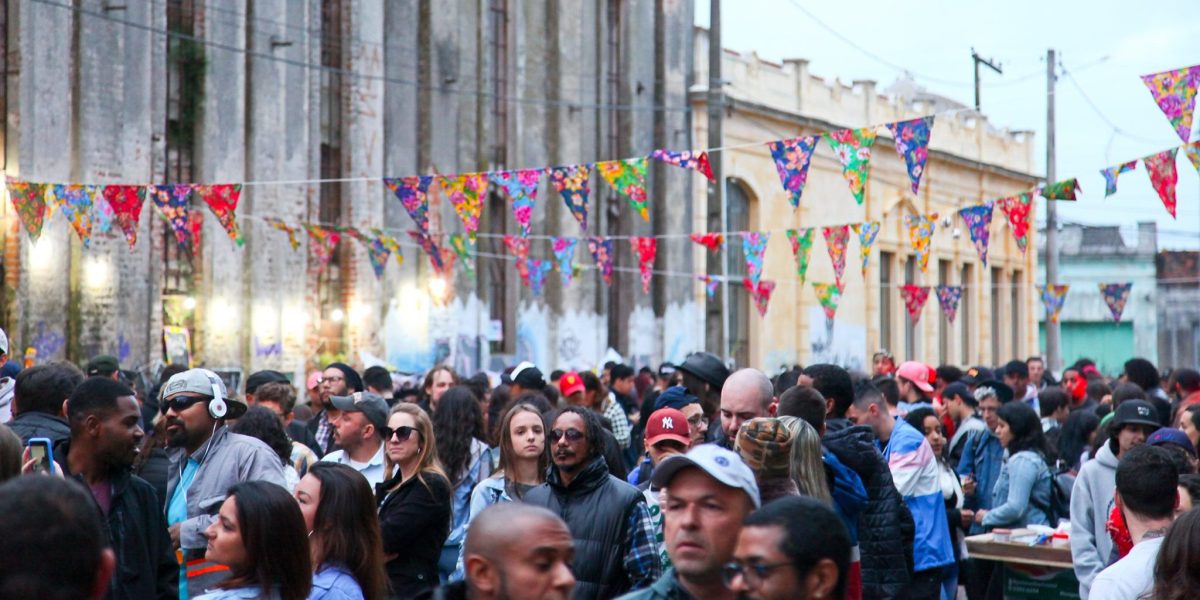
(1178, 274)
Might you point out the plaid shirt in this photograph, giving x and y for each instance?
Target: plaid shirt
(642, 564)
(324, 430)
(619, 421)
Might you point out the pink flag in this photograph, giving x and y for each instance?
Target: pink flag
(645, 248)
(760, 293)
(914, 300)
(1163, 176)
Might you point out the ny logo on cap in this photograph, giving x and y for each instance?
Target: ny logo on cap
(1143, 411)
(668, 423)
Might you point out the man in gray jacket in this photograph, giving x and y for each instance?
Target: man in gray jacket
(1092, 496)
(206, 459)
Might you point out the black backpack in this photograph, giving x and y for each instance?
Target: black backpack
(1061, 482)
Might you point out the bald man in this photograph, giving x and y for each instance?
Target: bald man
(515, 552)
(747, 394)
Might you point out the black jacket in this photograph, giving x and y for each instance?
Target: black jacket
(885, 527)
(596, 507)
(137, 531)
(414, 521)
(32, 423)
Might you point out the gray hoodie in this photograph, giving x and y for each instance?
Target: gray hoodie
(1091, 503)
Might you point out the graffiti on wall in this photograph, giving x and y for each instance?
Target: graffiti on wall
(47, 342)
(835, 341)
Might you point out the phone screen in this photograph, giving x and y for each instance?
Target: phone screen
(38, 453)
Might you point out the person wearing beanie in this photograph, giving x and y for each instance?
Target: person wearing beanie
(338, 379)
(765, 444)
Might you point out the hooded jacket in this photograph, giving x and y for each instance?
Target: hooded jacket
(1091, 502)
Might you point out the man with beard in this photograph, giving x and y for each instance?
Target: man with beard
(105, 437)
(790, 548)
(206, 460)
(615, 549)
(337, 380)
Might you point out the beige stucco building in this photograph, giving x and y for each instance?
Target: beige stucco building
(970, 161)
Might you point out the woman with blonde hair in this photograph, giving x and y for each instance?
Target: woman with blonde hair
(414, 502)
(808, 470)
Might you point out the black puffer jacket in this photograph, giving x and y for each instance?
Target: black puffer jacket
(885, 527)
(32, 423)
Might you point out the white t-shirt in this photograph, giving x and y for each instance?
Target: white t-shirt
(1130, 577)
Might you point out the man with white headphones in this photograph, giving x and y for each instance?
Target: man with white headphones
(206, 459)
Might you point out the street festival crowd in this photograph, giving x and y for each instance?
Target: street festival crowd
(691, 481)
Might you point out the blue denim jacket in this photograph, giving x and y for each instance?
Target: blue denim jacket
(981, 459)
(1022, 492)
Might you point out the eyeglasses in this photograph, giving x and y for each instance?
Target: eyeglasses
(572, 435)
(402, 433)
(180, 404)
(697, 420)
(330, 379)
(753, 574)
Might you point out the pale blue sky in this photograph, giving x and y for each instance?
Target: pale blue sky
(1105, 44)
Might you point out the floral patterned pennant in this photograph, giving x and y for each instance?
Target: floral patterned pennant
(466, 196)
(222, 199)
(288, 229)
(564, 255)
(413, 195)
(602, 252)
(1163, 176)
(836, 239)
(390, 243)
(102, 212)
(1175, 93)
(853, 149)
(172, 200)
(687, 159)
(628, 177)
(979, 221)
(801, 241)
(1052, 298)
(126, 203)
(432, 250)
(948, 297)
(1061, 190)
(464, 248)
(760, 293)
(537, 275)
(912, 141)
(29, 200)
(1115, 296)
(377, 252)
(572, 184)
(75, 202)
(712, 241)
(710, 285)
(914, 300)
(1192, 151)
(867, 231)
(645, 249)
(1111, 173)
(1017, 209)
(324, 241)
(754, 245)
(828, 295)
(792, 158)
(519, 247)
(522, 187)
(920, 230)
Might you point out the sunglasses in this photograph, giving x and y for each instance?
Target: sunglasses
(753, 574)
(572, 435)
(180, 404)
(402, 433)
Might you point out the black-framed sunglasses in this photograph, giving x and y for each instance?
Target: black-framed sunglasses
(402, 433)
(180, 404)
(572, 434)
(753, 574)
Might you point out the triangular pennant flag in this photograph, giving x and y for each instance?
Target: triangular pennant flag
(126, 203)
(412, 192)
(572, 184)
(390, 243)
(436, 257)
(195, 225)
(710, 285)
(914, 300)
(1017, 209)
(466, 196)
(1175, 93)
(172, 200)
(628, 177)
(1111, 173)
(1115, 295)
(288, 229)
(377, 252)
(602, 252)
(564, 254)
(792, 158)
(29, 200)
(75, 202)
(853, 149)
(827, 296)
(912, 141)
(521, 186)
(324, 241)
(222, 199)
(948, 297)
(801, 242)
(760, 293)
(687, 159)
(102, 212)
(754, 246)
(464, 248)
(1192, 151)
(537, 275)
(920, 230)
(645, 249)
(1163, 176)
(867, 231)
(836, 239)
(1052, 298)
(1061, 190)
(519, 247)
(712, 241)
(979, 222)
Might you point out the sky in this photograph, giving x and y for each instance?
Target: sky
(1104, 46)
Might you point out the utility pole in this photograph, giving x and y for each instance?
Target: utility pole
(717, 217)
(985, 61)
(1053, 358)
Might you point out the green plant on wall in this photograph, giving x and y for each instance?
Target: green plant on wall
(189, 60)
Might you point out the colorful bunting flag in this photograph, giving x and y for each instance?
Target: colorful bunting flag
(102, 212)
(948, 297)
(413, 195)
(1052, 298)
(537, 275)
(827, 296)
(564, 254)
(1192, 151)
(912, 141)
(801, 242)
(466, 196)
(1175, 93)
(390, 243)
(1115, 296)
(75, 201)
(754, 246)
(1061, 190)
(836, 239)
(464, 248)
(712, 241)
(602, 252)
(710, 285)
(172, 200)
(687, 159)
(920, 230)
(979, 222)
(377, 252)
(126, 203)
(760, 293)
(288, 229)
(867, 231)
(645, 249)
(1111, 173)
(853, 149)
(519, 247)
(628, 177)
(324, 241)
(432, 250)
(792, 158)
(29, 200)
(521, 186)
(1163, 176)
(914, 300)
(222, 199)
(1017, 209)
(571, 183)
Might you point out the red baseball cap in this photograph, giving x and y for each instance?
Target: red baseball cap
(570, 383)
(917, 373)
(667, 424)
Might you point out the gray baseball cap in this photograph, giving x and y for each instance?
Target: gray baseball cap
(373, 407)
(723, 465)
(205, 382)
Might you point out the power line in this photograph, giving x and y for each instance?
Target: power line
(1100, 113)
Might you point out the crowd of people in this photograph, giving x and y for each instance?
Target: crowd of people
(692, 481)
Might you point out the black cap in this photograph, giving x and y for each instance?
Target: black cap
(258, 378)
(666, 369)
(1135, 412)
(527, 376)
(1017, 368)
(961, 391)
(1001, 390)
(707, 367)
(103, 365)
(976, 374)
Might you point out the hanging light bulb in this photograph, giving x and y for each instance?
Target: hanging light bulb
(337, 315)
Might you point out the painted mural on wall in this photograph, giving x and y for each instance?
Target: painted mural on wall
(835, 341)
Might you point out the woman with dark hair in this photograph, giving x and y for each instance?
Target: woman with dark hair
(458, 429)
(259, 535)
(262, 423)
(927, 422)
(1022, 493)
(414, 502)
(344, 539)
(1075, 441)
(1177, 570)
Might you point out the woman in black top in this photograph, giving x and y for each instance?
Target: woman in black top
(414, 502)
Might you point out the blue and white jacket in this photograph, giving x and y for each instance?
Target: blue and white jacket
(915, 473)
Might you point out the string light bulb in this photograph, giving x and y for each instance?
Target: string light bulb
(337, 315)
(189, 303)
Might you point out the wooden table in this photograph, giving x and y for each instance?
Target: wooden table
(1041, 572)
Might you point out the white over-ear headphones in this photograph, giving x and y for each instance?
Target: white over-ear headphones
(217, 408)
